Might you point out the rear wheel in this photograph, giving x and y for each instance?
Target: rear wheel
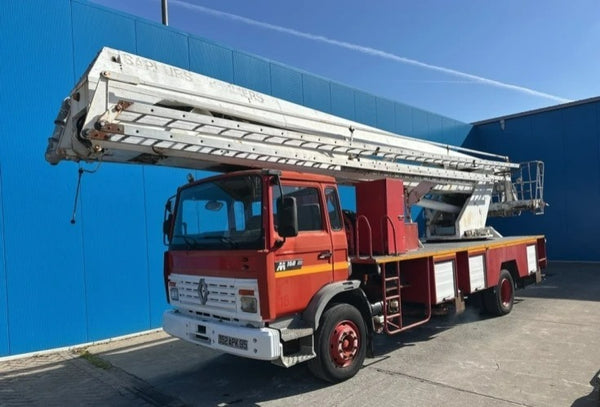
(340, 344)
(500, 299)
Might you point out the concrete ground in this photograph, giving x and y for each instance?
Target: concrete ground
(545, 353)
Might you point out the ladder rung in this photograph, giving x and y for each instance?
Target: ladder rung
(330, 144)
(392, 323)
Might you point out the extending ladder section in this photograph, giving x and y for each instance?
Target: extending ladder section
(130, 109)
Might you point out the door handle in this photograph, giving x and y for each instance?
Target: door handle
(325, 255)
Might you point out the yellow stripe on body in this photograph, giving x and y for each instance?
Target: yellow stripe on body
(484, 247)
(449, 252)
(317, 268)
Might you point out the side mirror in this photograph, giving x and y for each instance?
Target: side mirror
(167, 225)
(168, 222)
(287, 217)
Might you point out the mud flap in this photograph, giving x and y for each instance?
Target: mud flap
(538, 276)
(459, 303)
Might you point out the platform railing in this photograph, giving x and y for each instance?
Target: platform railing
(524, 192)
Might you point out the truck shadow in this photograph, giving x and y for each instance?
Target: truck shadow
(572, 281)
(592, 399)
(229, 380)
(196, 376)
(384, 344)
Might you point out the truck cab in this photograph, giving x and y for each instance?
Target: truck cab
(240, 258)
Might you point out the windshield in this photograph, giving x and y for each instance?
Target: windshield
(220, 215)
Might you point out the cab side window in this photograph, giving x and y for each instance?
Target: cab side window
(333, 208)
(307, 201)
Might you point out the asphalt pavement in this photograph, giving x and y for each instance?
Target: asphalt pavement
(546, 352)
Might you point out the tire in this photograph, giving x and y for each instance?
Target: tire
(500, 299)
(340, 344)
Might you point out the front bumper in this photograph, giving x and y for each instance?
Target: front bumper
(254, 343)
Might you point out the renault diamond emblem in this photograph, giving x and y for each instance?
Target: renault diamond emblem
(203, 291)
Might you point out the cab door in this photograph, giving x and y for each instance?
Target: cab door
(305, 262)
(339, 240)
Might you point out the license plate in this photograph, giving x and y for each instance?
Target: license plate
(232, 342)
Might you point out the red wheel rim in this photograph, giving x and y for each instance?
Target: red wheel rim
(344, 343)
(506, 292)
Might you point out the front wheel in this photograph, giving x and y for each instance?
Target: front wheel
(340, 344)
(500, 299)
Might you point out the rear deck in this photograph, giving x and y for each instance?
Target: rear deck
(447, 249)
(444, 273)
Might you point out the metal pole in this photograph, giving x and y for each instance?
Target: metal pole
(165, 13)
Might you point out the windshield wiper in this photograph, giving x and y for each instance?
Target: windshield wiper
(189, 241)
(232, 243)
(194, 242)
(224, 239)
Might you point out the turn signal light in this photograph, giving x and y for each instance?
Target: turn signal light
(174, 294)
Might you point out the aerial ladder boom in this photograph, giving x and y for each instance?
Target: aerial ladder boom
(129, 109)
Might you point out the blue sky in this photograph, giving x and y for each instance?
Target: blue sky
(469, 60)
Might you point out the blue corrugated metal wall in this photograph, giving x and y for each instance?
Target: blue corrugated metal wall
(63, 284)
(567, 139)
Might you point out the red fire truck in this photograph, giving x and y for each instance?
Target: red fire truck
(262, 262)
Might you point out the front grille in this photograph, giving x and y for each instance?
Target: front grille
(214, 298)
(220, 293)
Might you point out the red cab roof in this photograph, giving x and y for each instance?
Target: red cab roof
(285, 175)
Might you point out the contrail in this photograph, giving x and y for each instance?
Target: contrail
(369, 51)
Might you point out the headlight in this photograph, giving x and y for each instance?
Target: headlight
(249, 304)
